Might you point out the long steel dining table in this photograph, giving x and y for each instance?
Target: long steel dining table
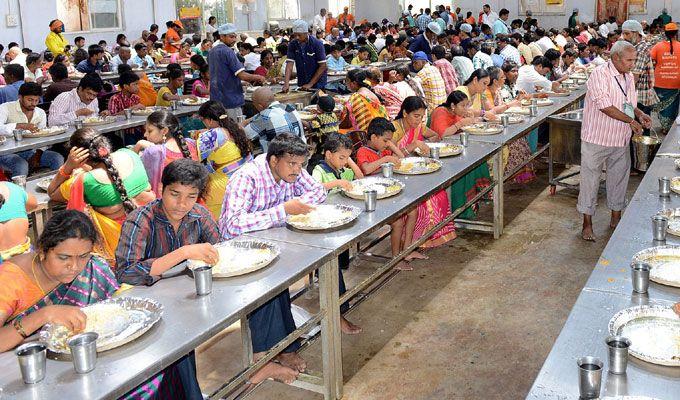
(609, 290)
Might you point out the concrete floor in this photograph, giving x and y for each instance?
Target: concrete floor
(476, 321)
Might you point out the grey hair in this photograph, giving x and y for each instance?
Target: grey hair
(621, 46)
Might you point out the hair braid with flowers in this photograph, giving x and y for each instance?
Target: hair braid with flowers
(99, 149)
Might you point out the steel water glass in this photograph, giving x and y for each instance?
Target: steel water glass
(505, 120)
(84, 351)
(640, 276)
(589, 377)
(370, 200)
(18, 134)
(299, 106)
(128, 113)
(32, 361)
(464, 138)
(434, 152)
(387, 169)
(618, 353)
(203, 280)
(664, 186)
(78, 124)
(659, 227)
(19, 180)
(174, 105)
(533, 110)
(240, 119)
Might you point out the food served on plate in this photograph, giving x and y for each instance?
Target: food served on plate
(49, 131)
(483, 128)
(512, 118)
(385, 187)
(98, 120)
(239, 257)
(324, 216)
(417, 165)
(194, 101)
(518, 110)
(539, 102)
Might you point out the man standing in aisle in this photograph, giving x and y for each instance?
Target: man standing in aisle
(488, 17)
(309, 56)
(499, 26)
(55, 40)
(346, 18)
(423, 20)
(227, 72)
(573, 20)
(320, 21)
(609, 115)
(426, 40)
(643, 70)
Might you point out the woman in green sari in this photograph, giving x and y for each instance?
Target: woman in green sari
(50, 285)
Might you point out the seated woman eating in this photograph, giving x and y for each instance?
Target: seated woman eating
(105, 184)
(448, 119)
(15, 204)
(52, 283)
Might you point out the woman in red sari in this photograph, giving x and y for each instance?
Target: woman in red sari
(409, 136)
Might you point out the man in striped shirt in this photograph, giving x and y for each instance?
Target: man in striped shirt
(80, 102)
(431, 80)
(609, 115)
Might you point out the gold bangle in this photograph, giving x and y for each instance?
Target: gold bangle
(19, 328)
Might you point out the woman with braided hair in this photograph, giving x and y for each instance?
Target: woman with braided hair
(105, 185)
(363, 104)
(164, 143)
(223, 148)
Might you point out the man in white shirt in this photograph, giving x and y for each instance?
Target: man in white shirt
(488, 16)
(462, 65)
(210, 28)
(612, 25)
(544, 42)
(532, 76)
(251, 60)
(24, 114)
(320, 20)
(123, 57)
(481, 58)
(603, 30)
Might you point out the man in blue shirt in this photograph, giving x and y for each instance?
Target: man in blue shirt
(499, 25)
(309, 56)
(227, 71)
(95, 55)
(14, 77)
(426, 40)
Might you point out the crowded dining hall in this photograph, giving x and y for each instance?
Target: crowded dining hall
(390, 199)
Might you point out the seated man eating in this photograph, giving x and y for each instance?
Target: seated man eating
(259, 196)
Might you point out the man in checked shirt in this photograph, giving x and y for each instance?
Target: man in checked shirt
(259, 196)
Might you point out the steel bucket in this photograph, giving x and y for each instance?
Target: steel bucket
(644, 149)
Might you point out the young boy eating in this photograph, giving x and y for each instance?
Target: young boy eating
(362, 57)
(333, 171)
(127, 98)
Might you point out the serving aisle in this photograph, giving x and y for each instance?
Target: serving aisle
(608, 291)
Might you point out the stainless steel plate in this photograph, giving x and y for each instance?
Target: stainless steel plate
(94, 121)
(194, 102)
(654, 332)
(665, 262)
(518, 110)
(44, 183)
(386, 187)
(512, 118)
(52, 131)
(539, 102)
(484, 128)
(324, 216)
(446, 149)
(241, 256)
(116, 328)
(673, 216)
(675, 184)
(418, 166)
(147, 111)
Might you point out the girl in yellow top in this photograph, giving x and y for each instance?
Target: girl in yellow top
(223, 148)
(172, 92)
(473, 88)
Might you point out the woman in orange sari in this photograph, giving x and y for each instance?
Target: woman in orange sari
(105, 185)
(409, 137)
(363, 105)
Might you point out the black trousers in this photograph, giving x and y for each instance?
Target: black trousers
(273, 321)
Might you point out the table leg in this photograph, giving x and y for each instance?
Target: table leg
(498, 195)
(331, 351)
(247, 342)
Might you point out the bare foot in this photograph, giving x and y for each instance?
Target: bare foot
(416, 256)
(349, 328)
(292, 360)
(404, 266)
(587, 234)
(274, 371)
(616, 217)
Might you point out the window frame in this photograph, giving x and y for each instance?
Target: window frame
(112, 29)
(285, 18)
